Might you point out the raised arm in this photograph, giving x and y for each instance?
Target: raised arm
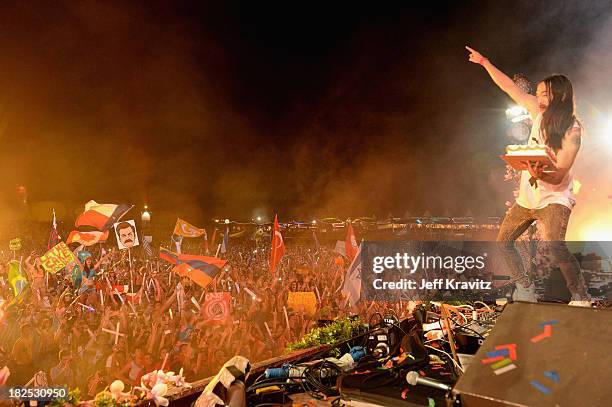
(99, 262)
(506, 84)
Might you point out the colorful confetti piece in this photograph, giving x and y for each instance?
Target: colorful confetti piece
(500, 352)
(505, 369)
(551, 322)
(491, 360)
(547, 332)
(501, 363)
(511, 347)
(540, 387)
(552, 375)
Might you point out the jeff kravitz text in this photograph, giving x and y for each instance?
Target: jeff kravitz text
(436, 284)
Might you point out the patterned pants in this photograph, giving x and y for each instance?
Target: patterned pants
(554, 218)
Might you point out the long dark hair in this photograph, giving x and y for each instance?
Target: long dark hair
(560, 113)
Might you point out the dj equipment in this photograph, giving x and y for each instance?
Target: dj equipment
(369, 384)
(565, 364)
(384, 340)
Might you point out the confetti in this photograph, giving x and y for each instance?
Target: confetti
(501, 363)
(551, 322)
(500, 352)
(547, 332)
(511, 350)
(491, 360)
(540, 387)
(552, 375)
(505, 369)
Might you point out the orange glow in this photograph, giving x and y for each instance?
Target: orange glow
(596, 231)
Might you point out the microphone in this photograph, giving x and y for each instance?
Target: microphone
(414, 378)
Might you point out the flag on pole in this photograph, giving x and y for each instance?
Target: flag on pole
(178, 241)
(206, 249)
(183, 228)
(146, 245)
(16, 278)
(214, 238)
(54, 237)
(101, 216)
(200, 269)
(225, 240)
(86, 238)
(352, 281)
(316, 241)
(278, 246)
(350, 244)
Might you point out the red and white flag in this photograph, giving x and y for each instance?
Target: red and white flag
(54, 237)
(278, 246)
(350, 244)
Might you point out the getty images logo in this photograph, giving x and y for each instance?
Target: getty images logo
(404, 261)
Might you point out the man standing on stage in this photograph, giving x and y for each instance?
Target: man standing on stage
(545, 193)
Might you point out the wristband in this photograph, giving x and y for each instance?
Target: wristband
(482, 60)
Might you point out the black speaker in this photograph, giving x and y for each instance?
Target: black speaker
(562, 358)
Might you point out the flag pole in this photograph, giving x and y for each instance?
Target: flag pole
(131, 272)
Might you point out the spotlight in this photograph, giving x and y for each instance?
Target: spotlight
(597, 232)
(516, 114)
(227, 221)
(259, 219)
(608, 132)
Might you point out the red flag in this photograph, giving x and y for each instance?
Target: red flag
(350, 244)
(278, 246)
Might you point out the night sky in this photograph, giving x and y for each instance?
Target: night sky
(209, 109)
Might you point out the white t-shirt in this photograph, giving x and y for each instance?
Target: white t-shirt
(545, 194)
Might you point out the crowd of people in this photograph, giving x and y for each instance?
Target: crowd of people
(84, 332)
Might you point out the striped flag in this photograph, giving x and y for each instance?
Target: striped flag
(146, 245)
(101, 216)
(352, 282)
(200, 269)
(86, 238)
